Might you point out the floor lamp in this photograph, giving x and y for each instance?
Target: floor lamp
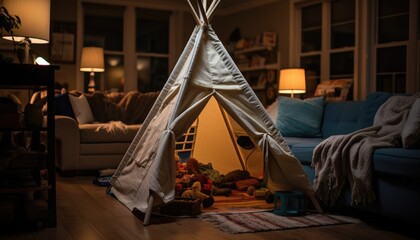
(92, 61)
(292, 81)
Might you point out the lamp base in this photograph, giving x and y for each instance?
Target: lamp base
(91, 84)
(24, 52)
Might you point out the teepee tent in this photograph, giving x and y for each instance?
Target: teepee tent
(204, 73)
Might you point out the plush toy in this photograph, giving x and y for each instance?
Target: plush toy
(195, 192)
(177, 162)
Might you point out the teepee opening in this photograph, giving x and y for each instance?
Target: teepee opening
(217, 139)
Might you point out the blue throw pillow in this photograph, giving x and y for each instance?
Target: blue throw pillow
(63, 105)
(300, 118)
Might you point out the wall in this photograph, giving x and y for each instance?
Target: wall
(273, 17)
(65, 11)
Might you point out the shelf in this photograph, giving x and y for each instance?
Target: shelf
(252, 50)
(273, 66)
(22, 129)
(24, 190)
(259, 65)
(29, 171)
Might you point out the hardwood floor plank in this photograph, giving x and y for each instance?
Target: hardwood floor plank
(85, 211)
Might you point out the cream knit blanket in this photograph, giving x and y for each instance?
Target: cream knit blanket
(112, 127)
(342, 159)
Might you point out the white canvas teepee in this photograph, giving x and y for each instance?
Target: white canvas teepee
(146, 175)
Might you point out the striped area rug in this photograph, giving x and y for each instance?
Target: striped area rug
(267, 221)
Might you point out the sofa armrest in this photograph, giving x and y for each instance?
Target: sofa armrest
(67, 137)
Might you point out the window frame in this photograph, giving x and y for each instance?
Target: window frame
(129, 42)
(365, 59)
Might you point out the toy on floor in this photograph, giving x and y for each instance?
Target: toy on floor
(195, 192)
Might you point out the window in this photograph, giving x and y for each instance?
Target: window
(327, 53)
(184, 145)
(128, 34)
(103, 27)
(152, 46)
(391, 45)
(311, 46)
(376, 43)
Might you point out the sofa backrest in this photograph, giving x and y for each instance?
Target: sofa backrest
(346, 117)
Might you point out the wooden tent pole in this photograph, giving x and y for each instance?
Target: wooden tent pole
(211, 11)
(311, 195)
(148, 213)
(232, 137)
(210, 8)
(205, 5)
(203, 14)
(316, 205)
(194, 13)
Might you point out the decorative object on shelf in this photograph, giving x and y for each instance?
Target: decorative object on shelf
(334, 90)
(41, 61)
(92, 61)
(292, 81)
(8, 22)
(269, 39)
(35, 27)
(258, 60)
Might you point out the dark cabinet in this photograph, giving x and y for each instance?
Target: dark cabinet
(27, 166)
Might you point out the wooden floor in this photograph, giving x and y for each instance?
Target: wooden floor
(85, 211)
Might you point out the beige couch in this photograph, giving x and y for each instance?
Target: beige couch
(86, 147)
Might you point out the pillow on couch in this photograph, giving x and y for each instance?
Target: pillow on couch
(63, 105)
(411, 131)
(300, 118)
(81, 109)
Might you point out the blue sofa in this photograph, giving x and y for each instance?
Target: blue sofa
(396, 171)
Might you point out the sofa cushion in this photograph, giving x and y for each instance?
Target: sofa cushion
(81, 109)
(93, 133)
(397, 161)
(303, 148)
(346, 117)
(369, 108)
(117, 148)
(411, 131)
(63, 106)
(340, 118)
(300, 118)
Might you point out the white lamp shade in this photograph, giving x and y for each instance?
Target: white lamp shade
(292, 80)
(35, 20)
(92, 59)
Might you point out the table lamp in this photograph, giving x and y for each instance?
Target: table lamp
(35, 26)
(292, 81)
(92, 61)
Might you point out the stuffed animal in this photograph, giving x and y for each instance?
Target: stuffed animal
(195, 192)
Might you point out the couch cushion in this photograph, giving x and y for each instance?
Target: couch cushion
(81, 109)
(411, 131)
(340, 118)
(346, 117)
(93, 133)
(63, 106)
(303, 148)
(370, 107)
(300, 118)
(104, 148)
(397, 161)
